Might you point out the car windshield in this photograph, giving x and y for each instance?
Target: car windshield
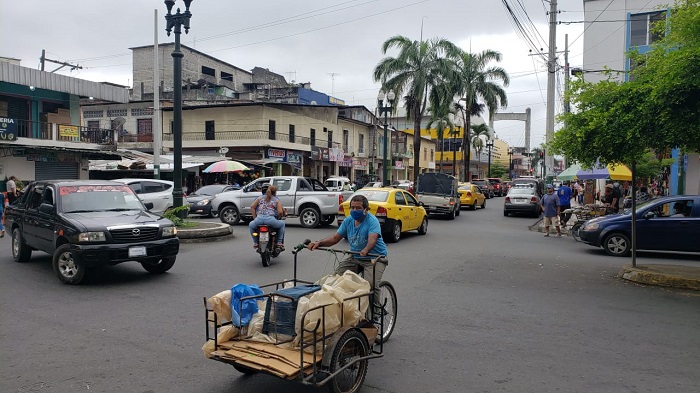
(75, 199)
(521, 191)
(465, 188)
(373, 196)
(210, 190)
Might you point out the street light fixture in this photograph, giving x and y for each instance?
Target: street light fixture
(384, 104)
(489, 144)
(175, 22)
(510, 163)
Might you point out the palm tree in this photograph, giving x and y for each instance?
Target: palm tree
(476, 82)
(476, 142)
(419, 67)
(535, 158)
(441, 114)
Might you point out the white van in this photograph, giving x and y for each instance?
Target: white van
(338, 183)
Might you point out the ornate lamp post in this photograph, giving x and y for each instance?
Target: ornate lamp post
(489, 144)
(510, 163)
(175, 22)
(384, 107)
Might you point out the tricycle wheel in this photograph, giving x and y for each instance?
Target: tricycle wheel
(245, 370)
(351, 346)
(388, 295)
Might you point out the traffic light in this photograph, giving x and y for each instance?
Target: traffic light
(530, 170)
(541, 154)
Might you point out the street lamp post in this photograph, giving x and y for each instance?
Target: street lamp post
(384, 107)
(510, 163)
(175, 22)
(489, 144)
(454, 154)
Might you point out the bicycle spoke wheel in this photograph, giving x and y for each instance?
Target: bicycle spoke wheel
(389, 300)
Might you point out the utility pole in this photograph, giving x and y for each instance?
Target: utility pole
(43, 60)
(551, 75)
(156, 130)
(567, 104)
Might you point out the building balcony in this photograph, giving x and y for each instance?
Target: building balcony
(248, 139)
(34, 133)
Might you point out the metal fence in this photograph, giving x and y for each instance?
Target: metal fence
(64, 133)
(262, 135)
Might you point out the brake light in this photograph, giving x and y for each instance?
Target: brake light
(341, 210)
(263, 229)
(534, 200)
(381, 211)
(469, 193)
(340, 199)
(507, 199)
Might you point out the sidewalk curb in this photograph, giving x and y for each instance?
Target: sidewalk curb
(647, 275)
(210, 233)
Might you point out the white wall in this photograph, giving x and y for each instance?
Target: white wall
(18, 167)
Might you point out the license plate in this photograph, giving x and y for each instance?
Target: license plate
(139, 251)
(264, 236)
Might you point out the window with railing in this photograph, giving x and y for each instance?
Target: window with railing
(361, 147)
(312, 137)
(209, 130)
(271, 130)
(93, 124)
(291, 133)
(330, 137)
(346, 141)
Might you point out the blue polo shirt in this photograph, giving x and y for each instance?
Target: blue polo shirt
(357, 235)
(564, 193)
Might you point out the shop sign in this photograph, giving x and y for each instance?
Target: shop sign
(320, 153)
(336, 154)
(19, 153)
(360, 163)
(68, 131)
(279, 154)
(8, 129)
(345, 163)
(294, 159)
(398, 165)
(46, 157)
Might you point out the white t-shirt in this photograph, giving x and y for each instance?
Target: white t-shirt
(11, 186)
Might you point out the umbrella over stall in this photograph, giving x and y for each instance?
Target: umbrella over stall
(610, 171)
(226, 166)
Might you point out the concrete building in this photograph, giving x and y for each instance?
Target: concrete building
(606, 45)
(41, 135)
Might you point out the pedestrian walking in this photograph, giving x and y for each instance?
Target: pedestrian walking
(551, 207)
(11, 186)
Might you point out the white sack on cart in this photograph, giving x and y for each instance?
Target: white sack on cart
(348, 285)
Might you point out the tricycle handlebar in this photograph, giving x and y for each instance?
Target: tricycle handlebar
(301, 246)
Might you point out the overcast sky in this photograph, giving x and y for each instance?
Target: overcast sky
(334, 44)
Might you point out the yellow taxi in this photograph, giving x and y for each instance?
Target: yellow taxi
(470, 196)
(397, 211)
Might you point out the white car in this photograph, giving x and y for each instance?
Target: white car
(157, 192)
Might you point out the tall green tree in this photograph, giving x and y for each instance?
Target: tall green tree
(441, 115)
(477, 83)
(477, 142)
(419, 67)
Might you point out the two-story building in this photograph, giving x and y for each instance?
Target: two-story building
(41, 132)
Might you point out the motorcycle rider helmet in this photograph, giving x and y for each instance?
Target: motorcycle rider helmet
(264, 188)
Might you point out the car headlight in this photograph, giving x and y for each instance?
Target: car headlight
(203, 202)
(91, 237)
(169, 231)
(591, 226)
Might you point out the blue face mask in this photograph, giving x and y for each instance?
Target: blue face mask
(357, 215)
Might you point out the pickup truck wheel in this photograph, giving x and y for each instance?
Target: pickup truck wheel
(159, 267)
(395, 234)
(451, 215)
(20, 250)
(458, 210)
(230, 215)
(309, 217)
(68, 270)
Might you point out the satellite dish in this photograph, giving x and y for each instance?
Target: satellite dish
(314, 103)
(223, 150)
(118, 122)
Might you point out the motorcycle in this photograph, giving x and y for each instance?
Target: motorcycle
(267, 243)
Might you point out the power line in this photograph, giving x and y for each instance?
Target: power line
(596, 18)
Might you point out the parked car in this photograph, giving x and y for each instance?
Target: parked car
(438, 193)
(302, 197)
(470, 196)
(374, 184)
(338, 183)
(397, 210)
(200, 200)
(522, 199)
(663, 224)
(538, 184)
(405, 185)
(84, 224)
(485, 186)
(497, 186)
(157, 192)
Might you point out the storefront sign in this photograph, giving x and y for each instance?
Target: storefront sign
(45, 157)
(8, 130)
(398, 165)
(360, 163)
(320, 154)
(276, 153)
(294, 159)
(345, 163)
(68, 131)
(336, 155)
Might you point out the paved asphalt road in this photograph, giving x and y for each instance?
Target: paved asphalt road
(484, 306)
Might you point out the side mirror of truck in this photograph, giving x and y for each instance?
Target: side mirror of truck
(46, 208)
(148, 205)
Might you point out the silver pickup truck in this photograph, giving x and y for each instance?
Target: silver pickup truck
(303, 197)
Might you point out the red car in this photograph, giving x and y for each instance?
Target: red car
(498, 188)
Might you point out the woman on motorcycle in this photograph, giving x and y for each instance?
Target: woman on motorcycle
(265, 211)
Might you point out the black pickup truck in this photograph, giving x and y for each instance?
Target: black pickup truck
(89, 223)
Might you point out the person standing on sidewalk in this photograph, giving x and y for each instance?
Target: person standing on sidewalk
(11, 186)
(564, 194)
(2, 215)
(551, 207)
